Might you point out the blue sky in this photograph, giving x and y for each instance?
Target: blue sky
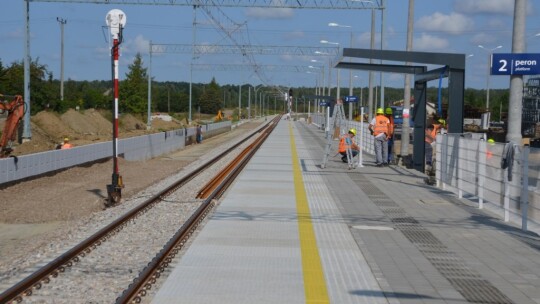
(453, 26)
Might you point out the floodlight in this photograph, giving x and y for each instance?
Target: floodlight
(116, 20)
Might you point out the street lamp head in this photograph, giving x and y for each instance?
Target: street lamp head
(329, 42)
(333, 24)
(489, 50)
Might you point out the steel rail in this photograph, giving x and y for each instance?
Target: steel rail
(222, 175)
(152, 272)
(53, 268)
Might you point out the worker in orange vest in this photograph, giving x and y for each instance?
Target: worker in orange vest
(431, 135)
(380, 129)
(347, 141)
(66, 144)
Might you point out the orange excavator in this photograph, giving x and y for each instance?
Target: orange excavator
(15, 112)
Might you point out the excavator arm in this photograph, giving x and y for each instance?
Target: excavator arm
(15, 113)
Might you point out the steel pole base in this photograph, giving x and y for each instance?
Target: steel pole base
(114, 191)
(114, 195)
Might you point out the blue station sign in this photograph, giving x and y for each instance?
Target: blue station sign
(324, 104)
(515, 64)
(350, 99)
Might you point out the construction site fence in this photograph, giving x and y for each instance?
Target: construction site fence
(469, 166)
(132, 149)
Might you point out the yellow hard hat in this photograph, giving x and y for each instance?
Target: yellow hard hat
(352, 131)
(380, 111)
(66, 139)
(491, 141)
(388, 111)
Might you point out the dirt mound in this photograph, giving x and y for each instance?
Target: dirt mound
(129, 122)
(82, 128)
(162, 125)
(51, 124)
(89, 122)
(41, 141)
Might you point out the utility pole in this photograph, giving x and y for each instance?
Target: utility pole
(62, 23)
(371, 75)
(382, 47)
(407, 95)
(239, 101)
(516, 81)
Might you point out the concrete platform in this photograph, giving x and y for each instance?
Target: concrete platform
(290, 232)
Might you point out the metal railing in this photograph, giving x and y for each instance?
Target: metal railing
(500, 177)
(469, 166)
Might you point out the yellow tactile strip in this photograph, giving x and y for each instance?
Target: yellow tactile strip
(314, 282)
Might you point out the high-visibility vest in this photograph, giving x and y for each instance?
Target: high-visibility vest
(381, 125)
(343, 144)
(391, 125)
(67, 146)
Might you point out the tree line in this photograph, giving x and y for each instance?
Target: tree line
(173, 97)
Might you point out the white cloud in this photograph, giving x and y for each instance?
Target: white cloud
(365, 40)
(137, 45)
(269, 13)
(483, 38)
(17, 34)
(497, 23)
(454, 23)
(485, 6)
(430, 43)
(128, 49)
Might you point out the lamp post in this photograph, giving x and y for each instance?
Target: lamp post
(255, 89)
(321, 83)
(239, 102)
(62, 23)
(361, 93)
(490, 51)
(333, 24)
(330, 69)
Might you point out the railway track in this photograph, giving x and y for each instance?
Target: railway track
(145, 228)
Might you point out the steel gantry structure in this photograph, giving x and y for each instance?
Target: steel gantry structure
(234, 49)
(309, 4)
(293, 4)
(251, 49)
(243, 67)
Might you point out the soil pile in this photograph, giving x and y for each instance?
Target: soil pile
(82, 128)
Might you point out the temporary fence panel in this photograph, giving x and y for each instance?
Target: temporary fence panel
(473, 167)
(133, 148)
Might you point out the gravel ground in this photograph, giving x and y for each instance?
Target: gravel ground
(73, 200)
